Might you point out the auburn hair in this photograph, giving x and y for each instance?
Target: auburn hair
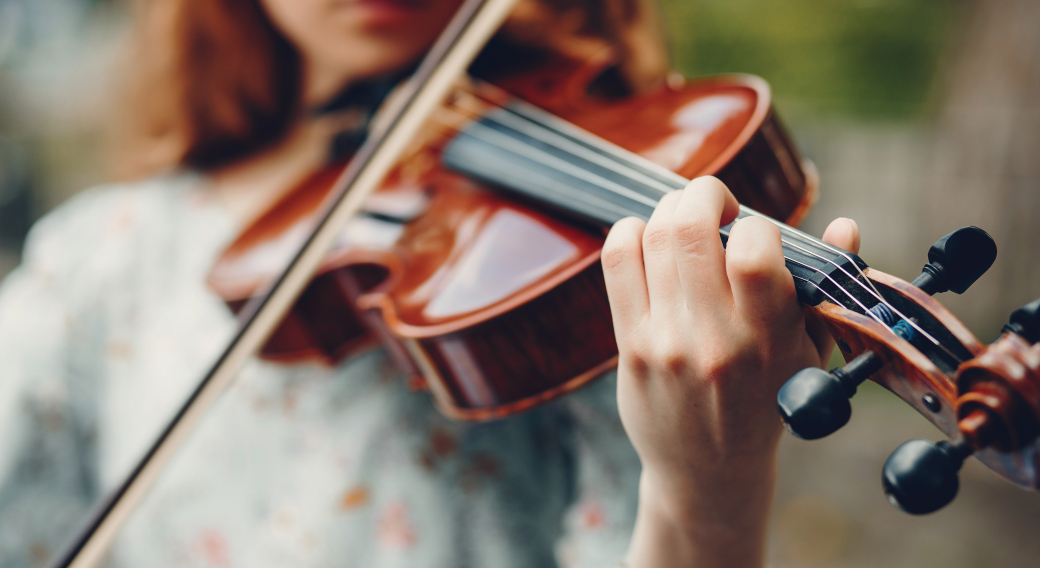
(208, 83)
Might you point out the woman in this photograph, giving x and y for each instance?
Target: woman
(108, 323)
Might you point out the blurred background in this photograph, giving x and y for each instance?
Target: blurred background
(922, 116)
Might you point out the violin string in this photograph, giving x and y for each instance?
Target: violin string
(866, 311)
(552, 131)
(792, 232)
(497, 138)
(539, 132)
(873, 291)
(857, 280)
(620, 155)
(851, 296)
(525, 125)
(581, 196)
(817, 286)
(823, 244)
(500, 140)
(489, 135)
(511, 119)
(543, 133)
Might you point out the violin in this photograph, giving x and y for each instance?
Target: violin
(492, 304)
(464, 235)
(497, 304)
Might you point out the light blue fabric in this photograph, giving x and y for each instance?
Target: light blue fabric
(108, 324)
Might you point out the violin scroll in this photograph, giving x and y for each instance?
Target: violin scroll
(998, 408)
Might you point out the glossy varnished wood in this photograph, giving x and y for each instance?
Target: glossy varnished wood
(553, 334)
(929, 304)
(912, 376)
(999, 407)
(1008, 371)
(768, 176)
(905, 370)
(499, 305)
(542, 349)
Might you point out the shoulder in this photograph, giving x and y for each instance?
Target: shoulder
(104, 214)
(103, 226)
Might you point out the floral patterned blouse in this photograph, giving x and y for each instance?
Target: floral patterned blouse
(107, 326)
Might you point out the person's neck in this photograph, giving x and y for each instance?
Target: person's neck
(249, 186)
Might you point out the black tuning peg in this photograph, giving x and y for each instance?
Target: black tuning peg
(814, 403)
(956, 261)
(921, 477)
(1025, 321)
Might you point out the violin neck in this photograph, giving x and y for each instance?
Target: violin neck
(539, 157)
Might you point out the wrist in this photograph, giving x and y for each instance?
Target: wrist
(719, 497)
(717, 519)
(695, 483)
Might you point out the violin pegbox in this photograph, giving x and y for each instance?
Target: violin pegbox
(986, 399)
(933, 341)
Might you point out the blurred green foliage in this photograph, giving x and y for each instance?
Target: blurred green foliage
(864, 59)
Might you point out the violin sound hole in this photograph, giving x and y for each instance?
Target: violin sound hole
(844, 346)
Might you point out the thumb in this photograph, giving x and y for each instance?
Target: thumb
(843, 233)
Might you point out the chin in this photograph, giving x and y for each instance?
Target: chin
(378, 58)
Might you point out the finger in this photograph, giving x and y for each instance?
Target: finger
(842, 233)
(763, 288)
(622, 260)
(662, 279)
(820, 335)
(706, 204)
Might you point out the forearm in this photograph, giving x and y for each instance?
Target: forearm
(723, 524)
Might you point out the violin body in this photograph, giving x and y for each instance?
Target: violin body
(493, 304)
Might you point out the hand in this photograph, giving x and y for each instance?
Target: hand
(706, 337)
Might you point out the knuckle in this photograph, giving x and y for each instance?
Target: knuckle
(676, 351)
(752, 256)
(752, 265)
(638, 363)
(615, 253)
(671, 359)
(635, 356)
(656, 238)
(622, 244)
(715, 363)
(692, 234)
